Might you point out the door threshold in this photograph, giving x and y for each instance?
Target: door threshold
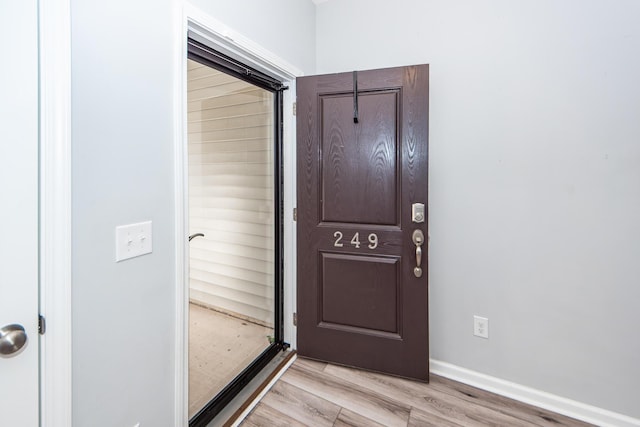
(241, 405)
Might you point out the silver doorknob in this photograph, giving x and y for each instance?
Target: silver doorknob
(12, 339)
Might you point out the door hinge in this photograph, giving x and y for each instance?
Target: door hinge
(42, 324)
(295, 214)
(295, 108)
(295, 319)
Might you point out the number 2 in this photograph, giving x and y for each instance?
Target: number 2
(338, 236)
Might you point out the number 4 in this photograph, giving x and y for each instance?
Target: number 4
(356, 240)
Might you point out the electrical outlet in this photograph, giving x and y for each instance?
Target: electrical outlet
(133, 240)
(481, 327)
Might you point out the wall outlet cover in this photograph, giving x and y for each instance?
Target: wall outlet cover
(481, 327)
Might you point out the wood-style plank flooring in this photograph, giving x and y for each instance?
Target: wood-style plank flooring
(317, 394)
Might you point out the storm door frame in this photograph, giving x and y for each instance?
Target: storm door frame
(205, 55)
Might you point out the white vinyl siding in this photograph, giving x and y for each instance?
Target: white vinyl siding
(230, 126)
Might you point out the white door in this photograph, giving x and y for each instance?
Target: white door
(19, 404)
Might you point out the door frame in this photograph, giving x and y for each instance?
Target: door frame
(220, 37)
(55, 211)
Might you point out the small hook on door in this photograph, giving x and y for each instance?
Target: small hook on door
(355, 97)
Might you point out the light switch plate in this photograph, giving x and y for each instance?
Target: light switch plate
(133, 240)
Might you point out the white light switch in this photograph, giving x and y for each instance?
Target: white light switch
(133, 240)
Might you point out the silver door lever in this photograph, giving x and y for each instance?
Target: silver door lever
(418, 240)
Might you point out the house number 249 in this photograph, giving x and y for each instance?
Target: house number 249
(355, 240)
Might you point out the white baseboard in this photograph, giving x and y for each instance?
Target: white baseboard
(551, 402)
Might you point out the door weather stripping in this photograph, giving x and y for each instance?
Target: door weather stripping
(199, 51)
(355, 97)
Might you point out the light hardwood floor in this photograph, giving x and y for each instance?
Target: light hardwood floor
(220, 347)
(318, 394)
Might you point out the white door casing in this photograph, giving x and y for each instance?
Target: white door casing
(19, 269)
(55, 211)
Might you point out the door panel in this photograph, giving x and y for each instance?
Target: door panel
(19, 212)
(359, 163)
(359, 292)
(359, 301)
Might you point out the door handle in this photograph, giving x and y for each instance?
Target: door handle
(193, 236)
(418, 240)
(12, 340)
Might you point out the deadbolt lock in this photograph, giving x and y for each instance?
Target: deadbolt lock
(417, 212)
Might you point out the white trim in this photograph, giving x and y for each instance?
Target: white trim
(264, 391)
(181, 226)
(290, 252)
(55, 211)
(542, 399)
(237, 46)
(219, 36)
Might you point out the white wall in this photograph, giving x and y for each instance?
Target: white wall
(534, 180)
(122, 136)
(122, 173)
(284, 27)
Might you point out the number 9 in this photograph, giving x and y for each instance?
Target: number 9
(373, 241)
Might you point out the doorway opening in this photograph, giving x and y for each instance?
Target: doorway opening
(234, 126)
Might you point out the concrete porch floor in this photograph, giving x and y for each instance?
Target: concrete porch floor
(220, 347)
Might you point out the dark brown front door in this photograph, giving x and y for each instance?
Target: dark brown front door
(360, 300)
